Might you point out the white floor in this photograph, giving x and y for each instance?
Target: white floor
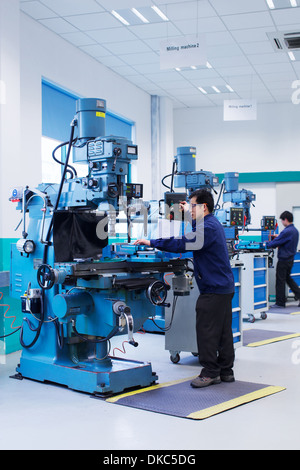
(40, 416)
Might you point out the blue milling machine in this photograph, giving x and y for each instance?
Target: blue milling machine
(77, 289)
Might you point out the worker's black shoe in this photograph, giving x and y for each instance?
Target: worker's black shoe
(200, 382)
(227, 378)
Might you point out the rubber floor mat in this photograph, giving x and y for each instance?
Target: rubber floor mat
(181, 400)
(253, 338)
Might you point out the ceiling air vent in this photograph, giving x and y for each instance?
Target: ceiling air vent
(292, 42)
(285, 41)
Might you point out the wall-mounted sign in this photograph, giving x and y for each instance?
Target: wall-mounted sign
(240, 110)
(183, 51)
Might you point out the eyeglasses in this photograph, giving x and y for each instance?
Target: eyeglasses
(195, 205)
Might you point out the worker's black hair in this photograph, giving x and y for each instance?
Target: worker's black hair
(203, 196)
(287, 215)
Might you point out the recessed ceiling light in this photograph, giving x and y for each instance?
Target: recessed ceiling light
(216, 89)
(202, 90)
(208, 65)
(229, 88)
(178, 69)
(193, 67)
(159, 13)
(292, 56)
(294, 3)
(271, 4)
(120, 18)
(139, 15)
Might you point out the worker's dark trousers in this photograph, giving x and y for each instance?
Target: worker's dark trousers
(214, 334)
(283, 275)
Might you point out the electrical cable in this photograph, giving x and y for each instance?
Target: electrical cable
(167, 328)
(66, 164)
(71, 170)
(102, 340)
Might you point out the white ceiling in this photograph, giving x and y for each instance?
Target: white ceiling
(239, 50)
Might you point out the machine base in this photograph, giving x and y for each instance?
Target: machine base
(100, 378)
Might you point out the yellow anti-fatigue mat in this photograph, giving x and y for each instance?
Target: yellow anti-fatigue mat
(181, 400)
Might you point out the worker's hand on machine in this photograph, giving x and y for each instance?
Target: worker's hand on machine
(184, 206)
(142, 242)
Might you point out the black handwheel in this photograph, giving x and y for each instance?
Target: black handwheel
(45, 276)
(157, 293)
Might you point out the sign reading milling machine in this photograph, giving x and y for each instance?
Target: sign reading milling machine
(183, 52)
(240, 110)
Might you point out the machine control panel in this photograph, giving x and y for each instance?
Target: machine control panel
(236, 216)
(268, 222)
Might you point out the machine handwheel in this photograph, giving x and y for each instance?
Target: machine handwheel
(157, 293)
(45, 276)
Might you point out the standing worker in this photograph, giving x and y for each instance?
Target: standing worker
(215, 280)
(286, 242)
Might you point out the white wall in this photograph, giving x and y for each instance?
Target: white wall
(44, 54)
(272, 143)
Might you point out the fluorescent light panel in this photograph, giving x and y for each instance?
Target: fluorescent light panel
(139, 15)
(120, 18)
(216, 89)
(294, 3)
(292, 56)
(230, 89)
(159, 13)
(270, 4)
(202, 90)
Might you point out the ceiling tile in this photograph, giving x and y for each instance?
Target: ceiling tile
(72, 7)
(140, 58)
(164, 76)
(272, 58)
(262, 47)
(274, 68)
(118, 4)
(93, 21)
(111, 35)
(110, 60)
(36, 10)
(124, 70)
(158, 30)
(180, 11)
(233, 7)
(95, 50)
(232, 61)
(78, 38)
(234, 71)
(226, 50)
(219, 38)
(252, 35)
(127, 47)
(58, 25)
(257, 20)
(287, 16)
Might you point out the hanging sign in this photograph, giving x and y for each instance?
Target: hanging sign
(240, 110)
(183, 51)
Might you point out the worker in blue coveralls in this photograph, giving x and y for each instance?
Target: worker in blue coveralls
(215, 280)
(286, 242)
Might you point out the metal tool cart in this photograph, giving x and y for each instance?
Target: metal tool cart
(181, 336)
(254, 279)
